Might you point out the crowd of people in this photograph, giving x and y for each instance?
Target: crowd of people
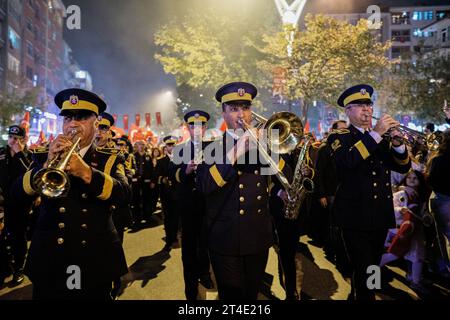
(378, 197)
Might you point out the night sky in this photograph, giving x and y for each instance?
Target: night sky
(115, 43)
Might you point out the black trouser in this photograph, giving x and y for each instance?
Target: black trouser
(171, 215)
(16, 218)
(194, 251)
(52, 291)
(141, 200)
(364, 248)
(239, 277)
(288, 237)
(5, 268)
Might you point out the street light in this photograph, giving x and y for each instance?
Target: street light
(290, 14)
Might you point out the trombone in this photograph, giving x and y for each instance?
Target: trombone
(53, 182)
(290, 131)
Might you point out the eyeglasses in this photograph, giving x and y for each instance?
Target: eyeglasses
(193, 125)
(77, 117)
(103, 128)
(361, 105)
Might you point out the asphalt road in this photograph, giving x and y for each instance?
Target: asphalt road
(158, 275)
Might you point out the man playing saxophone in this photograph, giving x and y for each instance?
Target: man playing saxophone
(75, 251)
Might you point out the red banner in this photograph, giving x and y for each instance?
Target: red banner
(279, 82)
(158, 118)
(148, 120)
(26, 122)
(125, 122)
(138, 119)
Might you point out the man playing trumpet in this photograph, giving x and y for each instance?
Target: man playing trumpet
(363, 206)
(75, 252)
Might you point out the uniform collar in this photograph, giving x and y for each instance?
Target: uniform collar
(85, 150)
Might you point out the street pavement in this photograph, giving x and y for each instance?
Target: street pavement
(158, 275)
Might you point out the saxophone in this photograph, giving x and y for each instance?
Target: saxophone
(300, 185)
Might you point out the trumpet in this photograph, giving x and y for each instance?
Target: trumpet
(432, 141)
(53, 182)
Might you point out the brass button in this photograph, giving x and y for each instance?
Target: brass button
(241, 186)
(84, 226)
(84, 196)
(113, 207)
(241, 199)
(381, 162)
(375, 196)
(241, 212)
(84, 210)
(259, 211)
(61, 225)
(387, 171)
(60, 241)
(258, 184)
(256, 172)
(83, 242)
(259, 197)
(374, 173)
(62, 210)
(375, 184)
(389, 197)
(388, 184)
(240, 173)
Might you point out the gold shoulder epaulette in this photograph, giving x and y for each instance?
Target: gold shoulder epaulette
(341, 131)
(107, 150)
(39, 150)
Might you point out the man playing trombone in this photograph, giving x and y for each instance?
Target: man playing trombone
(363, 207)
(239, 228)
(75, 252)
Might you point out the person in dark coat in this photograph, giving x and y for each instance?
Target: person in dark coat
(75, 251)
(15, 160)
(183, 172)
(363, 206)
(236, 186)
(168, 195)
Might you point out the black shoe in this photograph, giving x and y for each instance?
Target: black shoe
(17, 278)
(207, 282)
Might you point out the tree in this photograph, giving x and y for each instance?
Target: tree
(328, 56)
(205, 51)
(14, 100)
(418, 86)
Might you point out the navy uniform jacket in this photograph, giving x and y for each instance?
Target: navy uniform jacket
(78, 229)
(364, 196)
(12, 167)
(144, 167)
(237, 210)
(186, 188)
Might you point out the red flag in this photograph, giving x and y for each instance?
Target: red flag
(115, 118)
(148, 120)
(319, 127)
(306, 129)
(138, 119)
(26, 122)
(125, 122)
(41, 138)
(158, 118)
(223, 126)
